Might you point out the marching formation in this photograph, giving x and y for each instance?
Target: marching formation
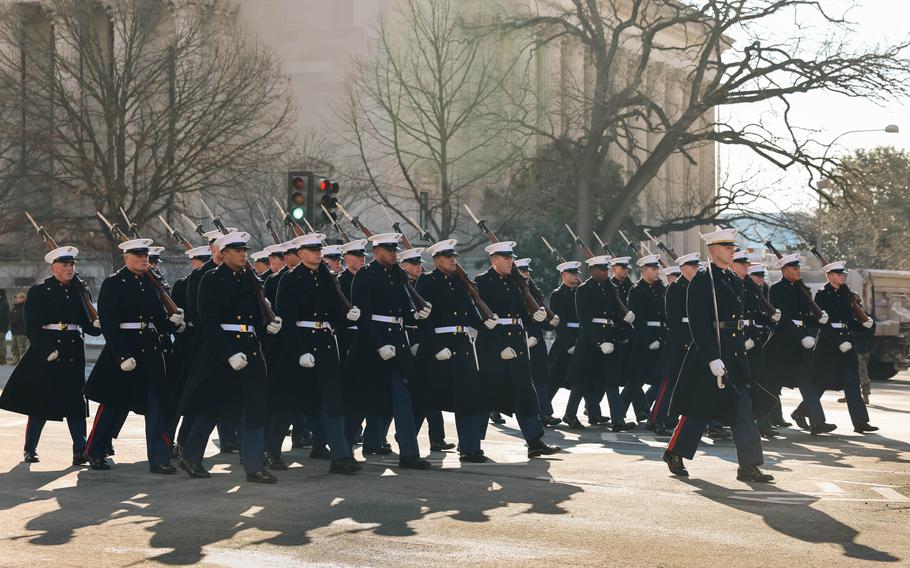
(313, 339)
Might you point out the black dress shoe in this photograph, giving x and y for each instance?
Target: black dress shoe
(718, 433)
(550, 420)
(753, 474)
(863, 428)
(320, 453)
(675, 463)
(194, 470)
(496, 418)
(642, 416)
(30, 457)
(276, 463)
(781, 423)
(163, 469)
(800, 420)
(98, 463)
(598, 420)
(345, 465)
(441, 446)
(262, 476)
(822, 428)
(767, 432)
(109, 451)
(573, 422)
(79, 458)
(473, 457)
(228, 447)
(538, 448)
(662, 431)
(413, 462)
(175, 451)
(623, 426)
(380, 451)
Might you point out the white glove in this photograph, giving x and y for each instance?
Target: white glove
(717, 368)
(823, 319)
(414, 349)
(177, 318)
(630, 317)
(606, 348)
(845, 346)
(868, 323)
(307, 361)
(237, 361)
(555, 321)
(571, 350)
(182, 328)
(808, 342)
(490, 323)
(444, 354)
(386, 352)
(749, 344)
(508, 353)
(423, 313)
(53, 356)
(97, 324)
(353, 314)
(274, 327)
(128, 365)
(776, 316)
(539, 315)
(654, 346)
(532, 341)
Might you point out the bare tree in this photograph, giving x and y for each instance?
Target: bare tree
(426, 112)
(617, 106)
(138, 103)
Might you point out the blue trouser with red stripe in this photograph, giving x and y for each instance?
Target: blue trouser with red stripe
(108, 422)
(688, 433)
(35, 425)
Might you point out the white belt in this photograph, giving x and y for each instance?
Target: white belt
(654, 323)
(62, 327)
(509, 321)
(387, 319)
(602, 320)
(572, 324)
(837, 325)
(747, 322)
(798, 323)
(137, 325)
(314, 324)
(685, 320)
(241, 327)
(354, 327)
(453, 329)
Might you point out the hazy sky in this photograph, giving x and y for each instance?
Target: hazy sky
(876, 21)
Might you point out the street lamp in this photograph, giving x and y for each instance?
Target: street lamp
(825, 184)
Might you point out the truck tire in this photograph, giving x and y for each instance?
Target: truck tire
(881, 370)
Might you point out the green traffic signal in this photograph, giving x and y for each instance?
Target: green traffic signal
(297, 213)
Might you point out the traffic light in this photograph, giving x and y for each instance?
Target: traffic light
(300, 194)
(329, 190)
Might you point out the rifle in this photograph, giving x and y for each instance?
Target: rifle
(419, 302)
(323, 267)
(660, 244)
(559, 257)
(169, 306)
(175, 234)
(590, 254)
(485, 312)
(197, 227)
(268, 225)
(335, 225)
(636, 254)
(858, 312)
(250, 273)
(807, 294)
(86, 298)
(606, 248)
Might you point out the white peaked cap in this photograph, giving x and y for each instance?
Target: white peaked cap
(331, 250)
(523, 263)
(722, 236)
(649, 259)
(198, 251)
(703, 265)
(444, 245)
(669, 270)
(789, 259)
(67, 253)
(232, 240)
(601, 260)
(260, 255)
(383, 239)
(691, 258)
(568, 265)
(135, 244)
(215, 233)
(288, 246)
(741, 255)
(309, 240)
(757, 269)
(619, 260)
(836, 266)
(156, 251)
(411, 253)
(502, 247)
(274, 249)
(355, 245)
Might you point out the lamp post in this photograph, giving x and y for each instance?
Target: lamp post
(825, 184)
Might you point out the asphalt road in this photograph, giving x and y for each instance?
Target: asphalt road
(607, 500)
